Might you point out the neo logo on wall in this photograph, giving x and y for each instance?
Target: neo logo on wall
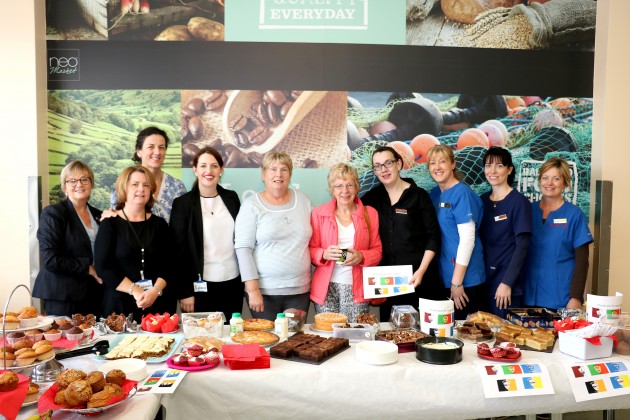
(313, 14)
(64, 65)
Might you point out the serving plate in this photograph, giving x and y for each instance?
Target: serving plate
(42, 323)
(319, 331)
(116, 340)
(20, 368)
(160, 333)
(500, 359)
(169, 363)
(88, 411)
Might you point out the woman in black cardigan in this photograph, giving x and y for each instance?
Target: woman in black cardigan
(202, 222)
(67, 281)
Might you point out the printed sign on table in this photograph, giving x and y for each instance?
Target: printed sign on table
(501, 380)
(162, 381)
(591, 380)
(605, 309)
(436, 317)
(386, 281)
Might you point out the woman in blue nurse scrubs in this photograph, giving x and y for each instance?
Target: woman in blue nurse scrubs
(459, 211)
(557, 263)
(505, 233)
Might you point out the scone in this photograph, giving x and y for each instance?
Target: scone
(8, 381)
(116, 376)
(32, 394)
(78, 393)
(96, 381)
(66, 377)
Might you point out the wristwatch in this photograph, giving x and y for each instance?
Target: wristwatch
(131, 289)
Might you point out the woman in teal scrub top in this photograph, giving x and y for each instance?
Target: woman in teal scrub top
(557, 264)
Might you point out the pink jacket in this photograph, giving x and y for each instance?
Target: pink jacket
(325, 233)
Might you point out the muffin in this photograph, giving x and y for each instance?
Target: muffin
(41, 343)
(27, 319)
(22, 350)
(34, 335)
(116, 376)
(87, 330)
(78, 393)
(66, 377)
(74, 333)
(60, 398)
(96, 381)
(116, 390)
(8, 349)
(26, 358)
(14, 337)
(52, 334)
(22, 344)
(99, 399)
(45, 352)
(64, 328)
(8, 381)
(11, 322)
(9, 359)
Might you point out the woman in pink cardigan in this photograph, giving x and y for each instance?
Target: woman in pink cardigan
(345, 239)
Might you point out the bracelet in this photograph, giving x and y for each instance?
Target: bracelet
(159, 291)
(131, 289)
(456, 285)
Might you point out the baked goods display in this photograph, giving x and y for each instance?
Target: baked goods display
(115, 322)
(8, 381)
(540, 339)
(622, 346)
(474, 331)
(309, 347)
(160, 323)
(487, 318)
(23, 352)
(400, 336)
(76, 389)
(141, 347)
(257, 324)
(79, 320)
(262, 338)
(203, 324)
(366, 319)
(506, 351)
(32, 393)
(324, 320)
(196, 354)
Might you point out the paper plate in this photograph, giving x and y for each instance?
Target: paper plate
(135, 369)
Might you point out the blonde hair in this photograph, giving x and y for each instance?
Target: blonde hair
(73, 168)
(340, 170)
(561, 165)
(122, 185)
(282, 157)
(445, 151)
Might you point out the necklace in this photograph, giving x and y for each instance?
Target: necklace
(210, 201)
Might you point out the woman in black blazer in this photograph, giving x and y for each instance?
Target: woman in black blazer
(202, 222)
(67, 281)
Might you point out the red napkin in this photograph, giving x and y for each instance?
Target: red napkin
(245, 356)
(569, 324)
(47, 399)
(10, 402)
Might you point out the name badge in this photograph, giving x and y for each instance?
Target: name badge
(445, 205)
(401, 211)
(559, 221)
(500, 217)
(200, 286)
(144, 284)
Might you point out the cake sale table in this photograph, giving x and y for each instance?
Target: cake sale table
(346, 388)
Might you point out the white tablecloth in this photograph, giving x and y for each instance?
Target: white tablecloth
(342, 387)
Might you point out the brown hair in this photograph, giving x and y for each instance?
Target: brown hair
(122, 185)
(561, 165)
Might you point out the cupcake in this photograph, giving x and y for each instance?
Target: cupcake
(87, 330)
(64, 327)
(14, 337)
(52, 335)
(45, 352)
(34, 335)
(28, 319)
(11, 322)
(22, 344)
(9, 358)
(74, 333)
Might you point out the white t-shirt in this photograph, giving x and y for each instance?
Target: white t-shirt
(343, 274)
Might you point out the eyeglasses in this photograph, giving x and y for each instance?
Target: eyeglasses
(378, 166)
(349, 187)
(84, 181)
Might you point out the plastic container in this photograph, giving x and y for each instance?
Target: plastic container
(623, 335)
(236, 324)
(404, 316)
(203, 324)
(355, 332)
(281, 326)
(582, 349)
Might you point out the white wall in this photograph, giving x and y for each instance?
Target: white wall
(23, 121)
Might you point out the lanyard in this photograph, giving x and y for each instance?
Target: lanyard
(139, 242)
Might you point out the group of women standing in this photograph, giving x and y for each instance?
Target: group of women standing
(488, 252)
